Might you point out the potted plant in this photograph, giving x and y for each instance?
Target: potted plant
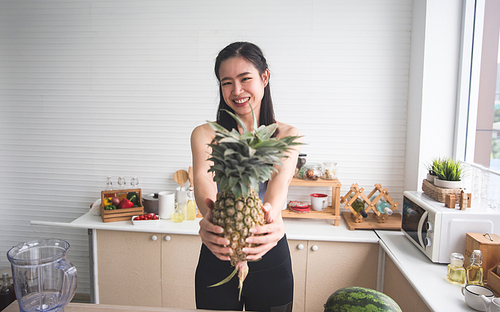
(449, 173)
(431, 170)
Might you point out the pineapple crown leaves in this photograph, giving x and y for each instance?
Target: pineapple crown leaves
(241, 161)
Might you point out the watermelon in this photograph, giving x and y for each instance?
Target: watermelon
(360, 299)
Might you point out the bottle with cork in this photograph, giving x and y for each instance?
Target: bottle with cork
(475, 272)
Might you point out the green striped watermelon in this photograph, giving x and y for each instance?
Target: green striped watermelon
(360, 299)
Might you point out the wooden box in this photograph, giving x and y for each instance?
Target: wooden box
(493, 280)
(124, 213)
(489, 244)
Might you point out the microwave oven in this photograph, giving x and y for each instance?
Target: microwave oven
(439, 231)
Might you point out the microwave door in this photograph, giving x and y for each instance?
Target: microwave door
(423, 220)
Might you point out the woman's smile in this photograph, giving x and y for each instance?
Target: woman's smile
(241, 102)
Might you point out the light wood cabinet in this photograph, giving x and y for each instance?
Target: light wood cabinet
(398, 288)
(146, 269)
(320, 268)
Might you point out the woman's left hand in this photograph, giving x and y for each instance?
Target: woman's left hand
(268, 234)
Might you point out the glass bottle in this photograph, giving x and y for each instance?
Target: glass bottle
(121, 183)
(7, 295)
(191, 205)
(178, 215)
(474, 272)
(456, 271)
(109, 184)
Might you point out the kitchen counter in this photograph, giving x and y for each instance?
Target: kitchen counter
(300, 229)
(427, 278)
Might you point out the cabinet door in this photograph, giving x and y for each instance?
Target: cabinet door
(333, 265)
(179, 255)
(398, 288)
(128, 268)
(298, 252)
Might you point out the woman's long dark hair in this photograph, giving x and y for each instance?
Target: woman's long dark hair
(254, 55)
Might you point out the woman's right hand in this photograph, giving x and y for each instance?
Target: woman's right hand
(209, 234)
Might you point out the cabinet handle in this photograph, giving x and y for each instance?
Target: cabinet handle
(300, 246)
(168, 238)
(314, 248)
(154, 237)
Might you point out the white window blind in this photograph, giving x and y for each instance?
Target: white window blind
(90, 89)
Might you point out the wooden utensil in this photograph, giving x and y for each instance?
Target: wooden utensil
(181, 176)
(190, 176)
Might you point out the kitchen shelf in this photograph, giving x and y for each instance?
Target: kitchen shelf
(330, 212)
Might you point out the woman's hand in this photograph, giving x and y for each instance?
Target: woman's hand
(208, 233)
(269, 234)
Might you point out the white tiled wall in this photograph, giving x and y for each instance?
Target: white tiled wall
(96, 88)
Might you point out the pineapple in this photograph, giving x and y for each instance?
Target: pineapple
(240, 162)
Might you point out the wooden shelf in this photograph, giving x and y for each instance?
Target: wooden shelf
(330, 212)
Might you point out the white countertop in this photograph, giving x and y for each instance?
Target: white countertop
(298, 229)
(427, 278)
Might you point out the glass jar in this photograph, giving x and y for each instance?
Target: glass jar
(301, 161)
(455, 270)
(312, 171)
(329, 170)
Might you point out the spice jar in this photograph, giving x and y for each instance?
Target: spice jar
(329, 170)
(312, 171)
(301, 161)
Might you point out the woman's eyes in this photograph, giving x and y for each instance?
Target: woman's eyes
(227, 83)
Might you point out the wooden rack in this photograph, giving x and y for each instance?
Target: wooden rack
(330, 212)
(355, 220)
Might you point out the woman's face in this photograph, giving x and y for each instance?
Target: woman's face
(242, 85)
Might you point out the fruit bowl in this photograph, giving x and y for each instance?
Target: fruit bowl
(146, 219)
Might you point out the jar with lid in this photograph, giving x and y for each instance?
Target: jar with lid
(312, 171)
(456, 271)
(329, 170)
(301, 161)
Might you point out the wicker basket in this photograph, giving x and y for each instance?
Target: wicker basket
(439, 193)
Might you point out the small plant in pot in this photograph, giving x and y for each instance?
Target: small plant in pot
(431, 169)
(449, 173)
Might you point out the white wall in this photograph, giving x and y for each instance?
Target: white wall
(96, 88)
(433, 88)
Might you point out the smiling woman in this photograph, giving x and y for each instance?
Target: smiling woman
(253, 164)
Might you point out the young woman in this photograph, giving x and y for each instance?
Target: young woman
(243, 76)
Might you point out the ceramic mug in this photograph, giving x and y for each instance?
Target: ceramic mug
(472, 295)
(319, 201)
(166, 204)
(491, 305)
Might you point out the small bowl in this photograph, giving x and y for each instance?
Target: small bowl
(145, 222)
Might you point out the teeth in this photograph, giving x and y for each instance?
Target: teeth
(241, 101)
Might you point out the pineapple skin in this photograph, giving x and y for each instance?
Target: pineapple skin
(237, 216)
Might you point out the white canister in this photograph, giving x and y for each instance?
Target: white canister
(166, 204)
